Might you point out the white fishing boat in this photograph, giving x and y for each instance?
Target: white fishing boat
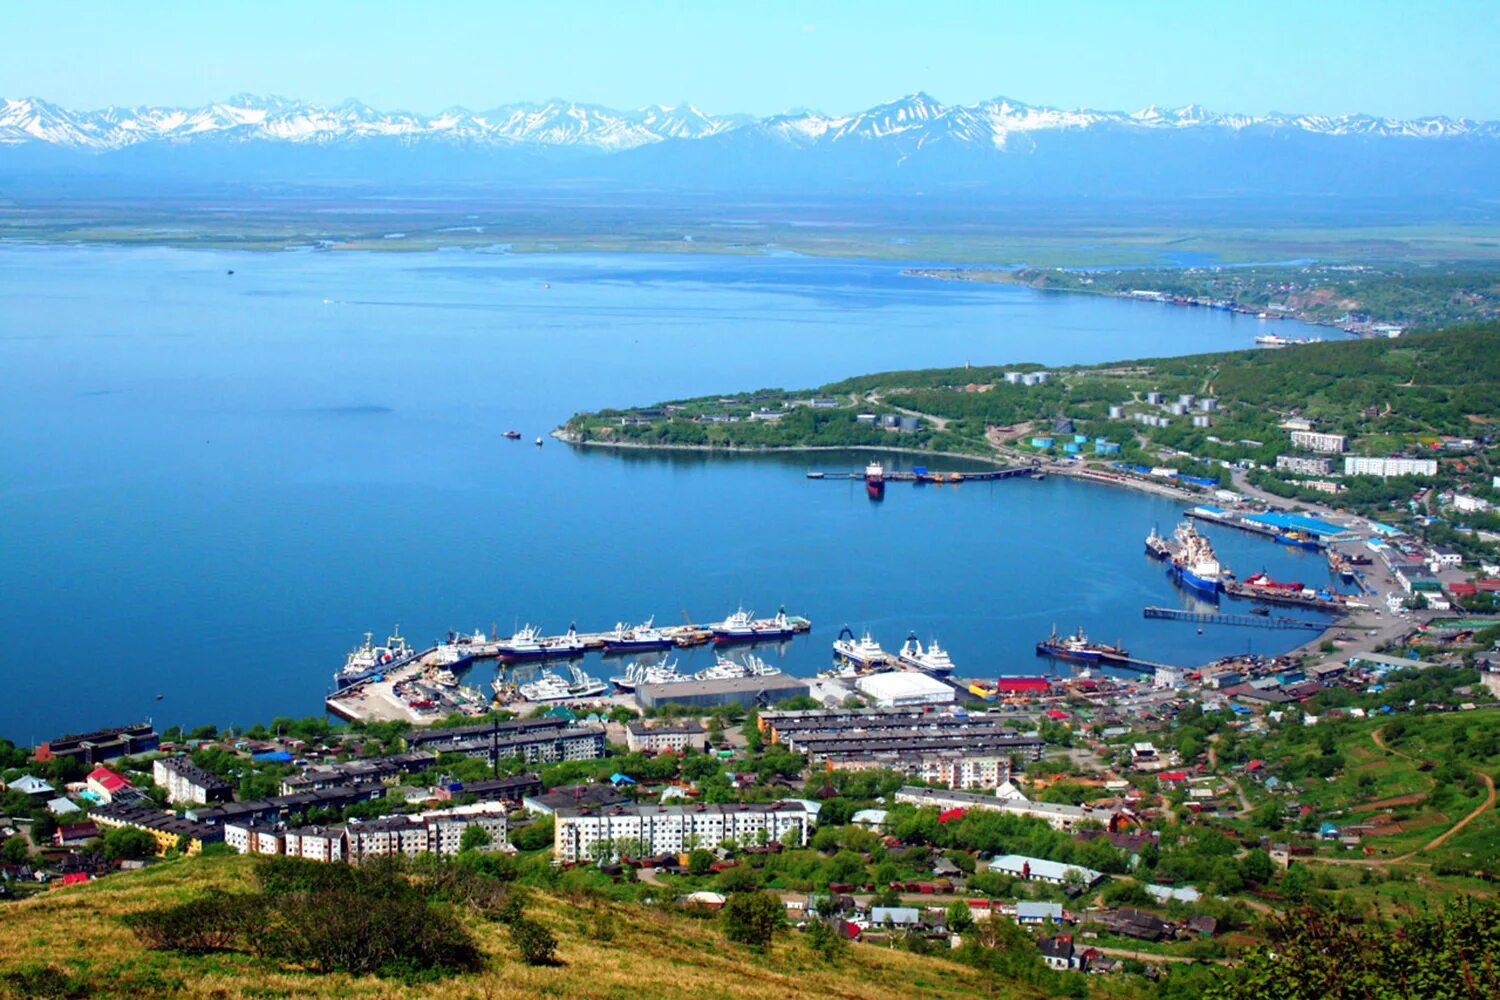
(861, 652)
(934, 659)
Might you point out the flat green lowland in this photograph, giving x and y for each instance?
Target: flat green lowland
(73, 942)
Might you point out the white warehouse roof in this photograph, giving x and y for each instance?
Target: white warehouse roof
(902, 687)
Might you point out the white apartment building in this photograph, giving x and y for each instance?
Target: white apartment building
(439, 833)
(1318, 441)
(187, 782)
(1470, 505)
(1362, 465)
(581, 834)
(654, 739)
(1304, 465)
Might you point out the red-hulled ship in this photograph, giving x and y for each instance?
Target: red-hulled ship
(1261, 580)
(875, 480)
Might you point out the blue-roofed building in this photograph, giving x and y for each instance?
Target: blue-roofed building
(1106, 448)
(273, 756)
(1041, 442)
(1071, 448)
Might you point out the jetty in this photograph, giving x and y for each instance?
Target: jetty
(1219, 618)
(922, 475)
(1285, 598)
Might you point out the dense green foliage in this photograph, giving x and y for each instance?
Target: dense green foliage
(379, 918)
(1316, 956)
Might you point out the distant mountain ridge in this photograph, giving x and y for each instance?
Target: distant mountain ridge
(990, 152)
(246, 117)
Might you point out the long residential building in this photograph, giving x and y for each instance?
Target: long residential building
(1305, 465)
(283, 807)
(1318, 441)
(839, 734)
(168, 830)
(1056, 815)
(663, 736)
(187, 782)
(358, 772)
(1385, 468)
(538, 747)
(586, 834)
(440, 832)
(419, 738)
(954, 768)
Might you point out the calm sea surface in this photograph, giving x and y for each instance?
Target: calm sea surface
(212, 484)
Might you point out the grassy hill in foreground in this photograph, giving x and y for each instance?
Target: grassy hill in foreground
(653, 952)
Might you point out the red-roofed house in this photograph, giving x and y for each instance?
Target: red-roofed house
(75, 878)
(950, 816)
(1172, 777)
(109, 787)
(1056, 714)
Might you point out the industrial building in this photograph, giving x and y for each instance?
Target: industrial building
(900, 688)
(102, 744)
(649, 830)
(747, 691)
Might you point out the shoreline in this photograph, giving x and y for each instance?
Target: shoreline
(569, 438)
(1007, 277)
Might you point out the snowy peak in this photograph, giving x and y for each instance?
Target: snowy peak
(914, 121)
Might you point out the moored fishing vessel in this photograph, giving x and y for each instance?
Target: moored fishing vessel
(934, 659)
(875, 480)
(1194, 564)
(625, 639)
(726, 669)
(1078, 648)
(1156, 546)
(660, 672)
(369, 660)
(742, 626)
(861, 652)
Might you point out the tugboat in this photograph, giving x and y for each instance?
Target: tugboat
(934, 659)
(875, 481)
(1077, 647)
(862, 652)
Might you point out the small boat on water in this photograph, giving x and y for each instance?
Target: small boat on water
(538, 442)
(934, 659)
(512, 435)
(1157, 547)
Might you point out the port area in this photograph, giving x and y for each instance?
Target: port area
(416, 692)
(920, 475)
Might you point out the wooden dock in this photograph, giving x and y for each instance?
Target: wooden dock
(1248, 621)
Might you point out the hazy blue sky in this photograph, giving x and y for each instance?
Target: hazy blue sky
(1398, 59)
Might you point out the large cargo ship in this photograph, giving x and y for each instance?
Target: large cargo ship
(370, 660)
(875, 480)
(1194, 564)
(1078, 648)
(742, 626)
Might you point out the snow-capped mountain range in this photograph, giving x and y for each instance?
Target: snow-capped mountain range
(917, 120)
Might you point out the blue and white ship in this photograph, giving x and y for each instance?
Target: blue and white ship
(625, 639)
(1194, 565)
(370, 660)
